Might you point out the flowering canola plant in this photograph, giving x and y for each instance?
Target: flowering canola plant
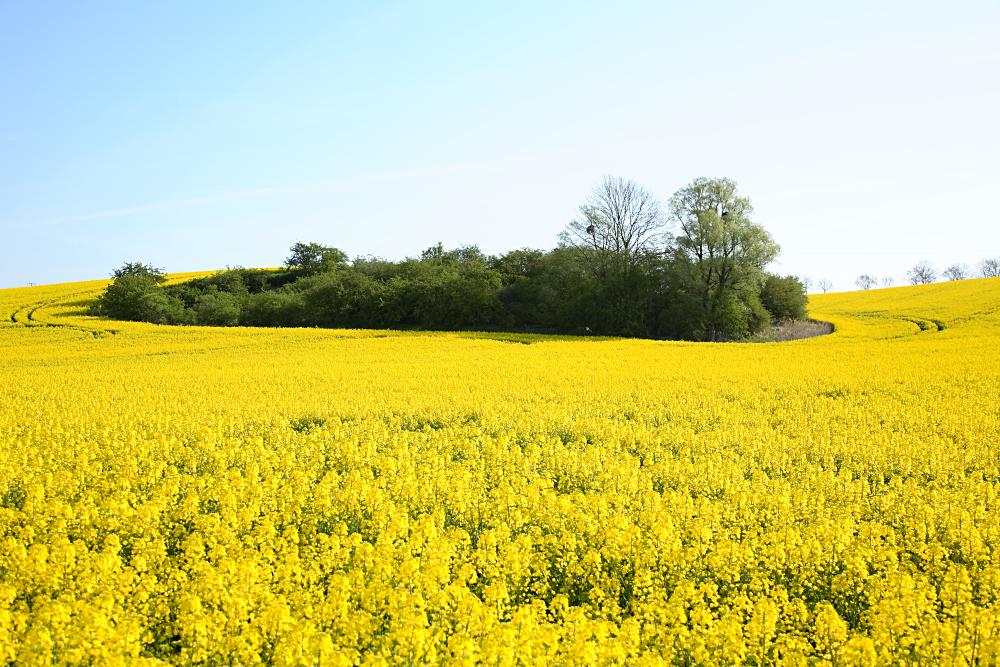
(185, 495)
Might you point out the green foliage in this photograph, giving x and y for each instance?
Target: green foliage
(342, 299)
(720, 255)
(313, 257)
(784, 298)
(279, 308)
(221, 309)
(520, 278)
(161, 308)
(134, 295)
(623, 279)
(450, 294)
(139, 269)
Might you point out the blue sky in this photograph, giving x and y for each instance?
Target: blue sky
(198, 135)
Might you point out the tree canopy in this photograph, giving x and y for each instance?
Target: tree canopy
(618, 270)
(313, 257)
(720, 256)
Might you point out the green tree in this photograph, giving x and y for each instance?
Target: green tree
(568, 293)
(784, 298)
(274, 308)
(134, 295)
(520, 272)
(343, 299)
(720, 255)
(220, 309)
(449, 290)
(140, 270)
(314, 257)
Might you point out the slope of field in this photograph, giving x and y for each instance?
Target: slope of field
(294, 496)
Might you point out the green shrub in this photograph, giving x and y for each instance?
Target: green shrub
(785, 298)
(220, 309)
(280, 308)
(136, 297)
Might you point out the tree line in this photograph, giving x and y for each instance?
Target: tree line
(923, 273)
(626, 265)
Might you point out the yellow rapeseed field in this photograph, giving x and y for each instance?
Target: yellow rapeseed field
(187, 495)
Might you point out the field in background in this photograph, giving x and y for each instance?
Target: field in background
(301, 496)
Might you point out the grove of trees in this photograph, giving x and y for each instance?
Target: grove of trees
(626, 265)
(923, 273)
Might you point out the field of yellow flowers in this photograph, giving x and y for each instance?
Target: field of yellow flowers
(174, 495)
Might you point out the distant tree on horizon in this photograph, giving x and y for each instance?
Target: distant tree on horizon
(825, 285)
(865, 281)
(922, 273)
(990, 268)
(956, 272)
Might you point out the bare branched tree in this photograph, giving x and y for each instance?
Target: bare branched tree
(620, 220)
(825, 285)
(956, 272)
(990, 268)
(921, 274)
(887, 281)
(865, 281)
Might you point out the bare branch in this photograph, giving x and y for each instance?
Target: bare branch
(620, 220)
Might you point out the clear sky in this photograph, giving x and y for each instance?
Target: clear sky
(196, 135)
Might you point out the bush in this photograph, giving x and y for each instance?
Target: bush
(313, 257)
(220, 309)
(141, 270)
(565, 290)
(160, 308)
(784, 298)
(135, 297)
(343, 299)
(738, 316)
(280, 308)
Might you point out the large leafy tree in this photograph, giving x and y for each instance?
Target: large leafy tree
(720, 258)
(133, 295)
(140, 270)
(784, 298)
(313, 257)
